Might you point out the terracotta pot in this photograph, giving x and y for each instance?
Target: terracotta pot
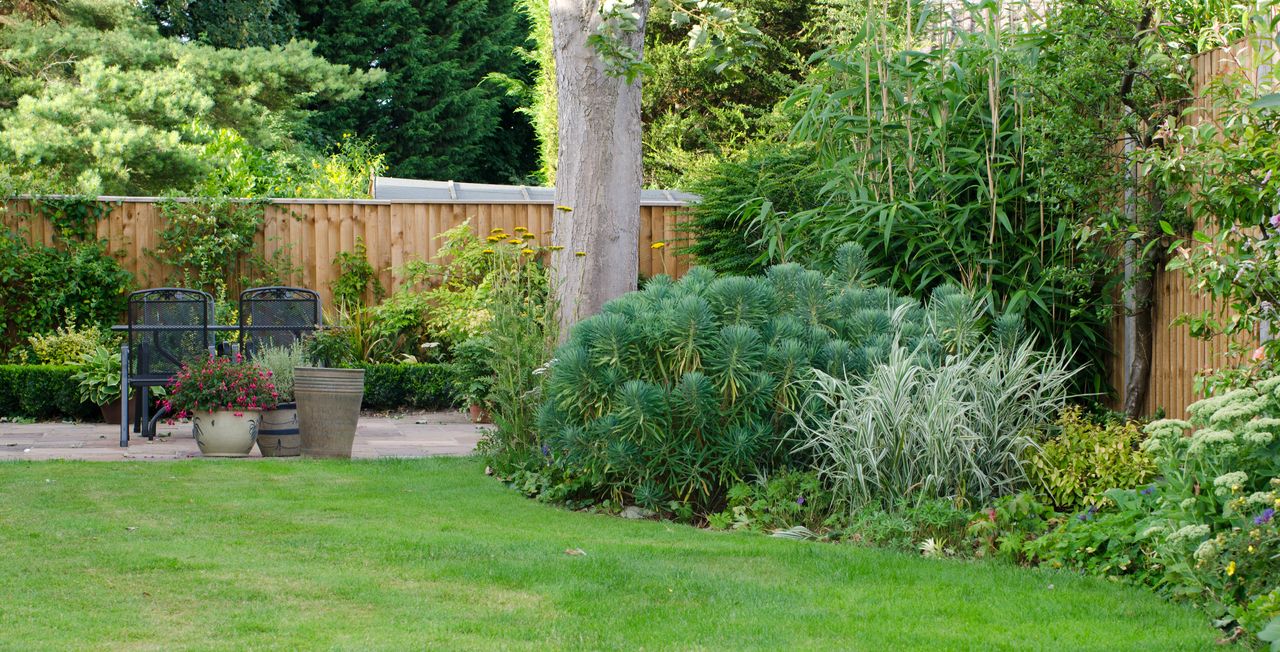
(224, 434)
(479, 414)
(328, 409)
(278, 436)
(111, 411)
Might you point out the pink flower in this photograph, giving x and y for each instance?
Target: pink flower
(1259, 354)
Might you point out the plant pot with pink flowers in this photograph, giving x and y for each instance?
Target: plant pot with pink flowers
(225, 399)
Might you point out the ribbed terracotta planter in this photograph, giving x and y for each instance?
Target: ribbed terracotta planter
(328, 409)
(279, 436)
(225, 433)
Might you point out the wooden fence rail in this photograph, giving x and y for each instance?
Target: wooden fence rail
(308, 234)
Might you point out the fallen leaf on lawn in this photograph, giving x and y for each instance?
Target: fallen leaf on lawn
(131, 528)
(575, 552)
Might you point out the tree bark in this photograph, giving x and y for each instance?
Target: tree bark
(1150, 259)
(598, 177)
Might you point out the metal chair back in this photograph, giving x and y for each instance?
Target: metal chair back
(276, 317)
(167, 327)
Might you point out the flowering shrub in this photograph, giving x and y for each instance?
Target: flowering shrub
(1206, 530)
(221, 384)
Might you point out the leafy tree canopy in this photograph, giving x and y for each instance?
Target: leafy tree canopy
(93, 99)
(434, 117)
(226, 23)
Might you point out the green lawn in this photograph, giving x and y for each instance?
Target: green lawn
(419, 554)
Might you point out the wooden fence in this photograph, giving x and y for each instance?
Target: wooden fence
(310, 233)
(1177, 356)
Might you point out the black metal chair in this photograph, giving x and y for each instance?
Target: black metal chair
(167, 328)
(276, 316)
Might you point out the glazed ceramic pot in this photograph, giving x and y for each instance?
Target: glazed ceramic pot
(279, 436)
(225, 433)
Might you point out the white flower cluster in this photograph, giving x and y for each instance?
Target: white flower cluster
(1189, 533)
(1206, 551)
(1228, 482)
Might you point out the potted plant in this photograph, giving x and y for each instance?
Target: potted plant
(472, 376)
(279, 435)
(99, 383)
(225, 399)
(328, 402)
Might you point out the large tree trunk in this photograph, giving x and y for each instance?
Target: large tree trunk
(598, 177)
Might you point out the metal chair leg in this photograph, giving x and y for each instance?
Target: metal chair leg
(124, 396)
(144, 407)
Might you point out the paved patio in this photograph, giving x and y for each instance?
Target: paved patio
(408, 435)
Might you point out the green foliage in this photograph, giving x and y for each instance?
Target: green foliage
(233, 24)
(1231, 175)
(773, 180)
(680, 391)
(208, 240)
(931, 159)
(96, 101)
(399, 386)
(42, 392)
(98, 376)
(1085, 458)
(1010, 528)
(42, 288)
(67, 345)
(913, 429)
(280, 361)
(472, 372)
(432, 117)
(695, 112)
(522, 332)
(357, 279)
(787, 499)
(241, 169)
(908, 526)
(1206, 530)
(74, 218)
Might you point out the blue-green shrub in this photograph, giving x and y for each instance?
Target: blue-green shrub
(674, 393)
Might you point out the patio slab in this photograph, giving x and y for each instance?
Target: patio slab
(407, 435)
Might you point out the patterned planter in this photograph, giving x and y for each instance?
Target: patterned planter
(279, 435)
(224, 434)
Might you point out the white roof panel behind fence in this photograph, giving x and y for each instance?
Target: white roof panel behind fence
(393, 189)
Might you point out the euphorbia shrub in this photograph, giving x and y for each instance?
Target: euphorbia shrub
(674, 393)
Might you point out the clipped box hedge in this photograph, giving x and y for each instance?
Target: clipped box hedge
(48, 391)
(42, 392)
(422, 386)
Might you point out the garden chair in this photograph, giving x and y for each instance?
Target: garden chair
(167, 327)
(277, 317)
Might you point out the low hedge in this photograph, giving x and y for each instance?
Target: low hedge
(392, 386)
(48, 391)
(42, 392)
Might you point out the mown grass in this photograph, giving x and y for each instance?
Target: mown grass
(417, 554)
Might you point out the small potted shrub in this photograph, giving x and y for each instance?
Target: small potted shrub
(328, 399)
(279, 435)
(225, 399)
(472, 376)
(98, 379)
(99, 382)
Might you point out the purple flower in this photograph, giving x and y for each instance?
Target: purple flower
(1266, 179)
(1264, 517)
(1148, 491)
(1275, 221)
(546, 450)
(800, 500)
